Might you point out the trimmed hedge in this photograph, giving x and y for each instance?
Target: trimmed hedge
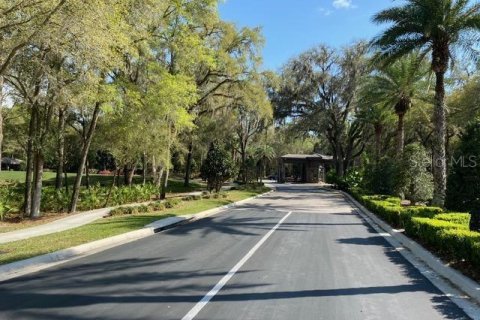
(389, 209)
(451, 239)
(459, 218)
(150, 208)
(446, 233)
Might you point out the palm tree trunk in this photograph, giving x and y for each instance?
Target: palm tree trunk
(378, 141)
(400, 133)
(439, 152)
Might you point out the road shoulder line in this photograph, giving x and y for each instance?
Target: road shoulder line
(463, 291)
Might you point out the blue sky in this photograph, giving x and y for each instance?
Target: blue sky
(292, 26)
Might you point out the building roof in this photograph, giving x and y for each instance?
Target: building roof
(315, 156)
(11, 161)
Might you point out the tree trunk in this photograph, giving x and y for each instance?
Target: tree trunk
(1, 120)
(37, 185)
(60, 149)
(83, 160)
(340, 163)
(27, 204)
(66, 181)
(400, 133)
(188, 166)
(154, 168)
(125, 175)
(144, 168)
(111, 187)
(378, 141)
(163, 191)
(131, 173)
(158, 178)
(439, 153)
(118, 177)
(87, 174)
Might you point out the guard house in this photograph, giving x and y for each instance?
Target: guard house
(303, 168)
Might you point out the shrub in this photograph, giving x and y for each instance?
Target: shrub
(171, 203)
(463, 185)
(458, 218)
(414, 181)
(55, 200)
(452, 239)
(158, 206)
(117, 212)
(143, 209)
(379, 177)
(217, 168)
(446, 233)
(353, 179)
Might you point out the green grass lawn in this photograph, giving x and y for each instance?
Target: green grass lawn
(108, 227)
(174, 185)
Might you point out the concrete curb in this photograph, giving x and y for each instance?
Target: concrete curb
(38, 263)
(454, 277)
(72, 221)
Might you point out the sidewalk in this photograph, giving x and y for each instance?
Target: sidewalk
(73, 221)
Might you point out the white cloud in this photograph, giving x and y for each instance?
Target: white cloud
(324, 11)
(343, 4)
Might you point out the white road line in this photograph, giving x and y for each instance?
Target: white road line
(212, 293)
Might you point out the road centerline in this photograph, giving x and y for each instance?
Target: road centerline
(212, 293)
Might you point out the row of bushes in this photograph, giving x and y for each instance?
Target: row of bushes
(162, 205)
(390, 209)
(447, 233)
(11, 197)
(450, 239)
(148, 208)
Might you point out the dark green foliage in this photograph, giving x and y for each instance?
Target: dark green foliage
(414, 180)
(352, 180)
(447, 233)
(150, 208)
(390, 210)
(380, 177)
(463, 186)
(217, 168)
(450, 239)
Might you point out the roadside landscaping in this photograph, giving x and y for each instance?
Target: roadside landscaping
(121, 221)
(447, 234)
(55, 203)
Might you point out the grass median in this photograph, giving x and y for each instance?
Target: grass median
(108, 227)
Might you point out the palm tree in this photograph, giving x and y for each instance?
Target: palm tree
(434, 26)
(396, 86)
(375, 114)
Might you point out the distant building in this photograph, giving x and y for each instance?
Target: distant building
(11, 164)
(303, 168)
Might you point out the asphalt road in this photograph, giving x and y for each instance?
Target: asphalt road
(321, 261)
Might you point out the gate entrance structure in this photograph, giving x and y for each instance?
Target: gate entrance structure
(303, 168)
